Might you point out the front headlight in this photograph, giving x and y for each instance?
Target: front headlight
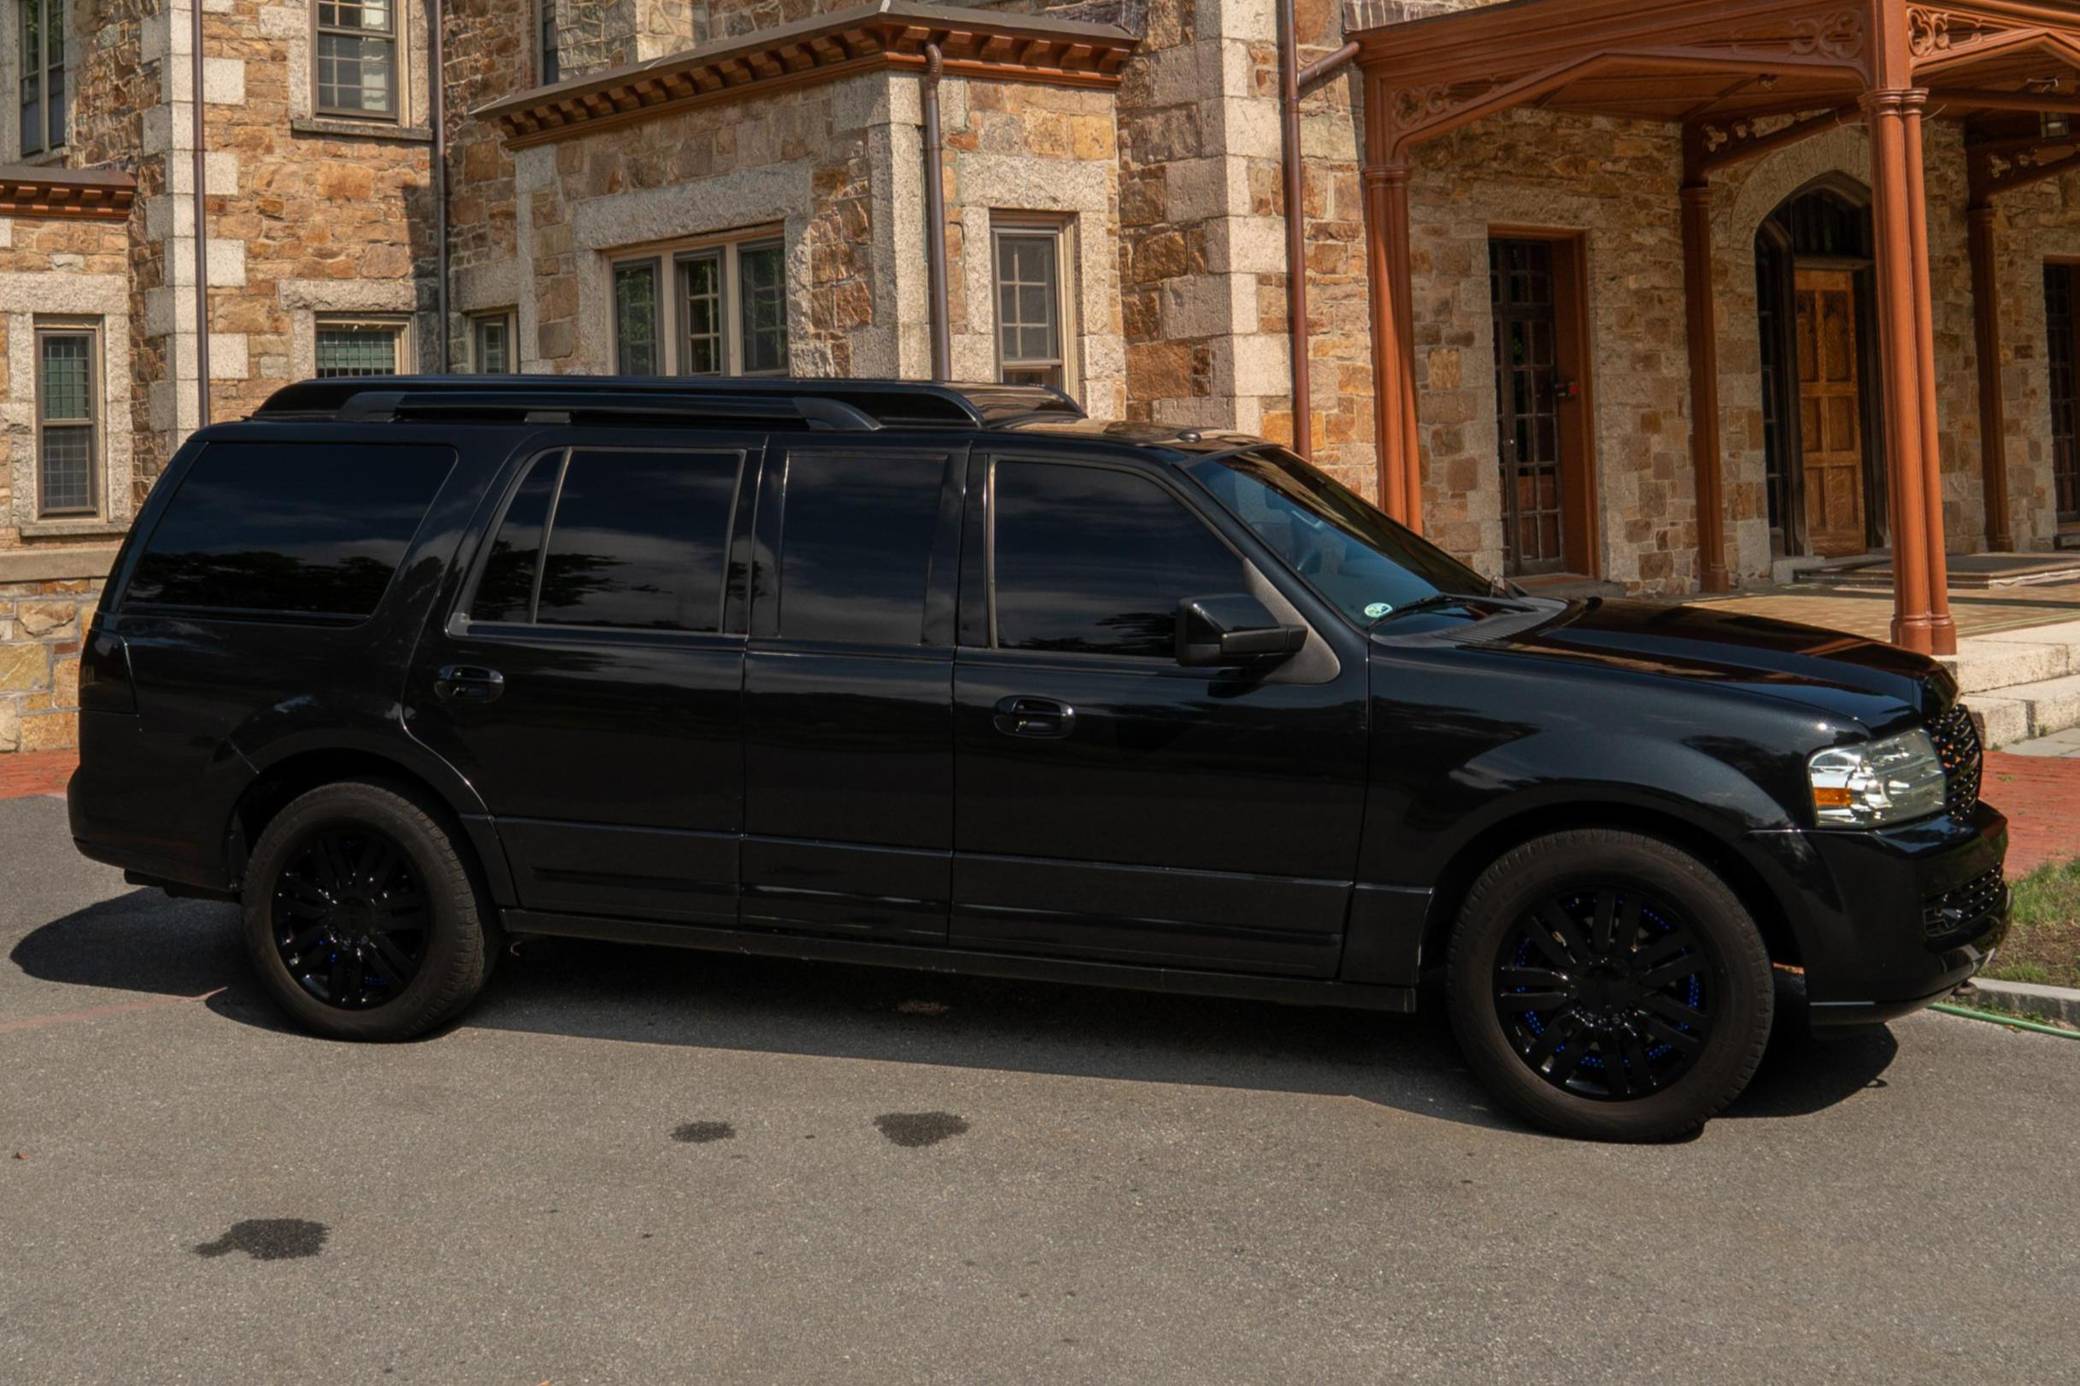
(1878, 782)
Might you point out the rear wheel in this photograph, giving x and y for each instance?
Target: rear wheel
(1608, 985)
(361, 917)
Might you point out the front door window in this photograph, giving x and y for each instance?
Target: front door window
(1527, 406)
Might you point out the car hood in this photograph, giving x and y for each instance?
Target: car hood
(1847, 675)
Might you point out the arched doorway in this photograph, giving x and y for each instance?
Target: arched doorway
(1823, 438)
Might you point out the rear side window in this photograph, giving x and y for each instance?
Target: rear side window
(1088, 560)
(614, 539)
(856, 546)
(306, 528)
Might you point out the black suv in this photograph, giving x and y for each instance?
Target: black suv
(956, 678)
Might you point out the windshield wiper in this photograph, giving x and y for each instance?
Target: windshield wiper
(1440, 599)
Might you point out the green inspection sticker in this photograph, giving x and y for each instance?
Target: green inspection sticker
(1378, 609)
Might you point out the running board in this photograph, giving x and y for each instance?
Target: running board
(1291, 991)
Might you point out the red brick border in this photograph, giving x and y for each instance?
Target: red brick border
(2041, 796)
(35, 772)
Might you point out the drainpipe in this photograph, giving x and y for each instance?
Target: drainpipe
(438, 90)
(1292, 80)
(935, 216)
(201, 222)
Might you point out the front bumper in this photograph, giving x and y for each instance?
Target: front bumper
(1890, 920)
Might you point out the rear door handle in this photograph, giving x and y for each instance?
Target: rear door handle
(1041, 718)
(468, 683)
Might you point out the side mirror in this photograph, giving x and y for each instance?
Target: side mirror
(1234, 628)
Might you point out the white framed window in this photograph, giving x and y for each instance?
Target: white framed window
(715, 307)
(1035, 326)
(548, 64)
(68, 419)
(491, 343)
(40, 53)
(354, 50)
(357, 346)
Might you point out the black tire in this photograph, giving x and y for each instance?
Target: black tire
(419, 943)
(1542, 959)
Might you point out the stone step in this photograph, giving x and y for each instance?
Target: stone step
(1985, 663)
(2022, 711)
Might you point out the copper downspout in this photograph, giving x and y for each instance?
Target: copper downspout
(201, 222)
(438, 89)
(1993, 423)
(935, 216)
(1292, 80)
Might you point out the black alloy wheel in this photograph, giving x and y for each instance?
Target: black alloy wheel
(349, 917)
(1604, 991)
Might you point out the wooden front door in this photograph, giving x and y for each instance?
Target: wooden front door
(1539, 531)
(1830, 412)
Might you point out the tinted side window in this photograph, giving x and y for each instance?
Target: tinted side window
(308, 528)
(506, 590)
(856, 546)
(1095, 561)
(638, 538)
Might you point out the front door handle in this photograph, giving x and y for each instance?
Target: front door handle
(1042, 718)
(468, 683)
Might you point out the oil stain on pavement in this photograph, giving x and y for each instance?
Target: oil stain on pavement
(269, 1239)
(701, 1132)
(912, 1129)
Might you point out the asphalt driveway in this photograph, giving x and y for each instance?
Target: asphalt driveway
(641, 1166)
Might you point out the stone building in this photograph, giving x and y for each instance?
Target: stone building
(1595, 290)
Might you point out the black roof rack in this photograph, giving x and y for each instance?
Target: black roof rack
(771, 400)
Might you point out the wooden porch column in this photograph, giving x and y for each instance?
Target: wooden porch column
(1993, 414)
(1393, 344)
(1942, 630)
(1899, 337)
(1704, 385)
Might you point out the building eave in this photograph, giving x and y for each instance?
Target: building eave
(884, 35)
(71, 194)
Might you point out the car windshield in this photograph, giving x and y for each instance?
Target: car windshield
(1348, 551)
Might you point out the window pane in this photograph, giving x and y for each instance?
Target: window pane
(700, 288)
(318, 527)
(763, 283)
(354, 351)
(372, 15)
(856, 546)
(66, 466)
(635, 319)
(68, 374)
(1028, 300)
(638, 540)
(57, 104)
(493, 357)
(355, 74)
(552, 67)
(506, 590)
(1096, 561)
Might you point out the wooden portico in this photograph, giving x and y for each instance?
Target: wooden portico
(1744, 78)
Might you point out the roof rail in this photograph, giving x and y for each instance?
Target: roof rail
(829, 403)
(564, 406)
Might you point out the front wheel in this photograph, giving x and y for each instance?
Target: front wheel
(361, 917)
(1608, 985)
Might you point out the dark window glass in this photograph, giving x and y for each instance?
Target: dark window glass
(506, 591)
(1095, 561)
(635, 319)
(763, 279)
(313, 528)
(638, 540)
(856, 546)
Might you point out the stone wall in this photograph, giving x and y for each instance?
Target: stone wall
(805, 160)
(1019, 150)
(40, 628)
(489, 47)
(1616, 184)
(2033, 225)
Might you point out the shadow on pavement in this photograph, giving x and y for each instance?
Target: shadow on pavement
(145, 942)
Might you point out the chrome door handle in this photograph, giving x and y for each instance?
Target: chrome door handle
(468, 683)
(1043, 719)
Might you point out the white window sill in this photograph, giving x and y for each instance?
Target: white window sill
(374, 129)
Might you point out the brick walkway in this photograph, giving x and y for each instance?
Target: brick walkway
(2041, 796)
(1868, 612)
(35, 772)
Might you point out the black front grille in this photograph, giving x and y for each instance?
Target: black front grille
(1957, 744)
(1964, 910)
